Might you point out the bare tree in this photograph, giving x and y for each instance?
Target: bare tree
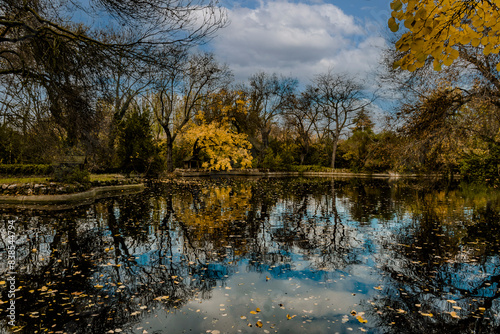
(339, 97)
(181, 90)
(303, 116)
(72, 59)
(269, 96)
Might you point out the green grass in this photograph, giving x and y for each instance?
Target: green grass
(44, 179)
(105, 177)
(23, 179)
(316, 168)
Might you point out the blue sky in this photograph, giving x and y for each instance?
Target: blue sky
(302, 38)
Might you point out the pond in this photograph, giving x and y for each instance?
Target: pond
(264, 255)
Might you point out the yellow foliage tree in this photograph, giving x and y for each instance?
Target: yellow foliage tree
(223, 146)
(225, 105)
(440, 28)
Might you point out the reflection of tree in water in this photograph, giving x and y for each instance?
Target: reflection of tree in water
(105, 266)
(97, 270)
(441, 275)
(309, 223)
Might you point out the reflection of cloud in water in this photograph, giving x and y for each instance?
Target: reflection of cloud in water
(320, 307)
(321, 248)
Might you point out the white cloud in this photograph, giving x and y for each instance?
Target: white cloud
(296, 39)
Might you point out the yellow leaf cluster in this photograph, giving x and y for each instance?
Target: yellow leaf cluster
(438, 28)
(223, 146)
(226, 104)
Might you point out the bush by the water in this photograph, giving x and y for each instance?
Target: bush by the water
(69, 174)
(25, 169)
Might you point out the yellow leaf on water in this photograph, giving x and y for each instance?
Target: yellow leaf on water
(361, 320)
(257, 309)
(253, 312)
(427, 314)
(2, 282)
(451, 301)
(161, 297)
(259, 324)
(454, 315)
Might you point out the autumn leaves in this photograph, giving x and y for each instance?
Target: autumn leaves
(441, 29)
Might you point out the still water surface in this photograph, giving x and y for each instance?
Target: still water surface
(282, 255)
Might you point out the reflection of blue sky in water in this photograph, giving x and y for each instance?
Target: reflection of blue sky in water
(386, 253)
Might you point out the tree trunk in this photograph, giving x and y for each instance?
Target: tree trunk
(334, 152)
(265, 138)
(305, 151)
(170, 150)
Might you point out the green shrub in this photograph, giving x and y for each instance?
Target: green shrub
(311, 168)
(26, 170)
(70, 174)
(136, 147)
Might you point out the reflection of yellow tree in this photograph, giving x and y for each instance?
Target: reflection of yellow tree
(213, 214)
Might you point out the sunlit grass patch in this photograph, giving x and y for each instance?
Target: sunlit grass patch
(105, 177)
(23, 179)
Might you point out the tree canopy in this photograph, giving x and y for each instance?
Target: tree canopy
(442, 29)
(71, 49)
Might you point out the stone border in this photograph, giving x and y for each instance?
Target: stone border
(195, 173)
(68, 200)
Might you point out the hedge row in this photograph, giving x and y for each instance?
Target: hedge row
(24, 170)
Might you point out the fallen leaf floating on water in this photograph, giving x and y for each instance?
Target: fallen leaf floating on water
(378, 287)
(162, 297)
(257, 309)
(353, 313)
(267, 278)
(427, 314)
(451, 301)
(454, 315)
(288, 316)
(361, 320)
(259, 324)
(243, 317)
